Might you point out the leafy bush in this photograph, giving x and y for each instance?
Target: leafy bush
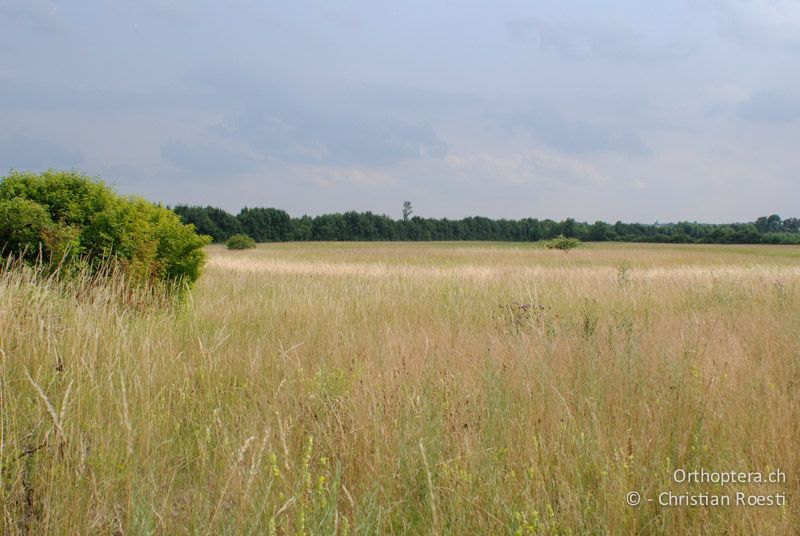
(241, 241)
(563, 243)
(23, 225)
(67, 219)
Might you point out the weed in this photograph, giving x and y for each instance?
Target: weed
(431, 407)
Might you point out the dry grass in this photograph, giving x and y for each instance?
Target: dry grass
(398, 388)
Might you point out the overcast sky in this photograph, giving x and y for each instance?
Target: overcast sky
(639, 111)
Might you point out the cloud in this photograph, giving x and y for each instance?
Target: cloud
(581, 42)
(171, 11)
(759, 22)
(206, 160)
(376, 141)
(37, 15)
(341, 139)
(16, 95)
(342, 20)
(770, 106)
(25, 153)
(334, 176)
(335, 126)
(536, 167)
(551, 128)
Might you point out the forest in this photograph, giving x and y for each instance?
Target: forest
(276, 225)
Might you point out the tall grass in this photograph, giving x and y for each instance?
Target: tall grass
(318, 389)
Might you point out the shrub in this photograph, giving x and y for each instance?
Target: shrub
(563, 243)
(69, 219)
(23, 225)
(240, 241)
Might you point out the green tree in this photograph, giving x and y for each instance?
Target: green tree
(601, 231)
(407, 210)
(211, 221)
(266, 224)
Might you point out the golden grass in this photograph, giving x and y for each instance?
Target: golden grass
(401, 388)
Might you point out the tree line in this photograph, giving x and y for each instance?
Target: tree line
(275, 225)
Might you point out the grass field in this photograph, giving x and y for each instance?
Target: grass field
(396, 388)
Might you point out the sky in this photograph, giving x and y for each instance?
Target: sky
(613, 110)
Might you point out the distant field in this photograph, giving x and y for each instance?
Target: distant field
(409, 388)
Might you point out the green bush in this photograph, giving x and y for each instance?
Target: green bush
(65, 218)
(23, 225)
(241, 241)
(563, 243)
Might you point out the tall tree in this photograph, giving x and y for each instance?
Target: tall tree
(407, 210)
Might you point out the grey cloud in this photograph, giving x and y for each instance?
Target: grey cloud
(416, 102)
(340, 140)
(759, 23)
(120, 173)
(181, 13)
(339, 127)
(25, 153)
(386, 141)
(37, 15)
(577, 137)
(225, 83)
(584, 42)
(18, 95)
(206, 160)
(340, 19)
(222, 83)
(770, 106)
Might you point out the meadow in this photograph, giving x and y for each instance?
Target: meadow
(406, 388)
